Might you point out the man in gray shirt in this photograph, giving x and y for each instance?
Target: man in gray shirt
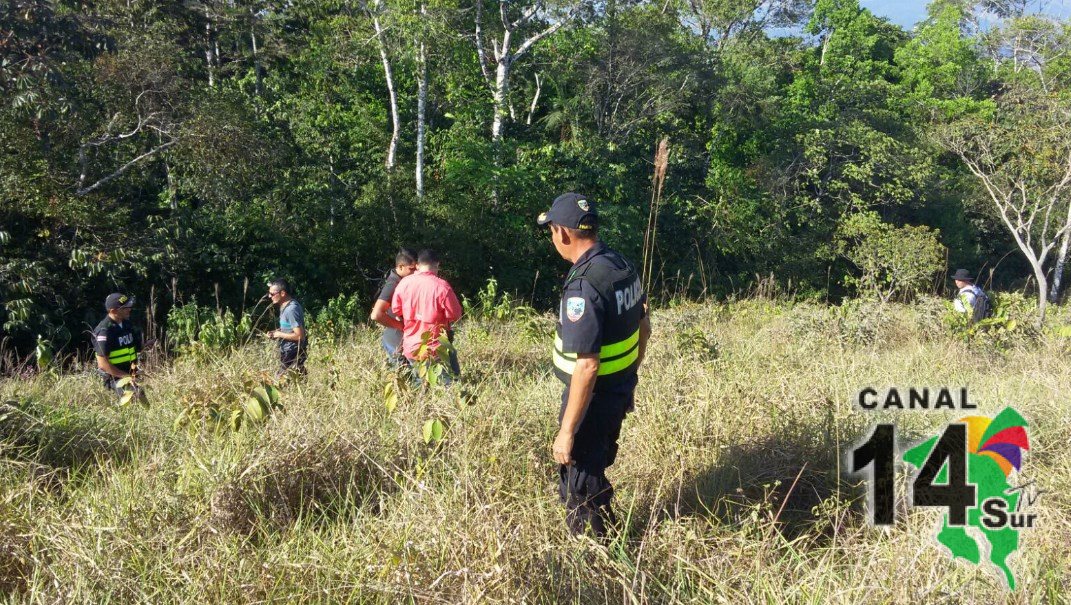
(292, 337)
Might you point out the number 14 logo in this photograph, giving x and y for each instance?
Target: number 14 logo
(931, 487)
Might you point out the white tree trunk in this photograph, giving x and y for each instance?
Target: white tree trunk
(1036, 259)
(535, 99)
(256, 59)
(505, 57)
(209, 50)
(422, 100)
(1061, 260)
(501, 91)
(1043, 301)
(388, 74)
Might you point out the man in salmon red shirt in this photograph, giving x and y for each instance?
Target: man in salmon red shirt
(425, 302)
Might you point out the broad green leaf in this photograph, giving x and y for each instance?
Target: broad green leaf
(255, 409)
(125, 399)
(124, 382)
(390, 396)
(433, 431)
(273, 395)
(261, 395)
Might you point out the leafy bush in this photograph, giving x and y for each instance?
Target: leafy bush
(224, 404)
(193, 329)
(432, 365)
(490, 305)
(699, 344)
(894, 261)
(337, 318)
(1010, 322)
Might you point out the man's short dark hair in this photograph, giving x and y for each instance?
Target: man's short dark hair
(589, 231)
(428, 257)
(405, 256)
(282, 284)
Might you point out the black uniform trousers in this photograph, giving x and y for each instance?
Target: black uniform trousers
(582, 486)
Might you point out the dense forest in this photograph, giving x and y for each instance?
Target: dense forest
(189, 151)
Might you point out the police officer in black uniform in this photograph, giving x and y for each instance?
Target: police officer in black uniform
(601, 338)
(115, 342)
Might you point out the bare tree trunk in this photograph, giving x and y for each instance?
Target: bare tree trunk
(501, 91)
(1061, 260)
(209, 50)
(172, 190)
(256, 60)
(1043, 301)
(422, 101)
(535, 99)
(481, 54)
(1037, 261)
(505, 58)
(388, 73)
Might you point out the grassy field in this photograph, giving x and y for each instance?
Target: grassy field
(728, 476)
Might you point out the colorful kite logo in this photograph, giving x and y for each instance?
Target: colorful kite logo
(1003, 444)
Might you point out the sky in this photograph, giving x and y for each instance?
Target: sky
(907, 13)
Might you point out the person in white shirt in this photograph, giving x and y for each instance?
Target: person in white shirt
(969, 297)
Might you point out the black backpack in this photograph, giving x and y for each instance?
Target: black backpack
(983, 307)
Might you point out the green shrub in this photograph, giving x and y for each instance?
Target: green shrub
(490, 305)
(894, 262)
(193, 329)
(338, 317)
(1011, 321)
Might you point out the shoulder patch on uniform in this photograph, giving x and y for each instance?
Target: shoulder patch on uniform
(574, 308)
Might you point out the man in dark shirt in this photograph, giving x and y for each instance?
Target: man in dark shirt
(114, 341)
(601, 339)
(404, 265)
(292, 337)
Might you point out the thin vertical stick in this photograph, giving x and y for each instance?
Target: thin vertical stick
(661, 161)
(531, 299)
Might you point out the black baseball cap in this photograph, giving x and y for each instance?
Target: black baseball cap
(571, 210)
(117, 300)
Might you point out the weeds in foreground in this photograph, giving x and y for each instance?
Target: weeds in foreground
(727, 479)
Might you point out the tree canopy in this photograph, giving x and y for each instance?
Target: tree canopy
(182, 149)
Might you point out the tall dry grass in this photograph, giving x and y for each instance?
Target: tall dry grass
(727, 481)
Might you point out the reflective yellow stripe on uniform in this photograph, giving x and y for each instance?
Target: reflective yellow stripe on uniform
(122, 355)
(613, 357)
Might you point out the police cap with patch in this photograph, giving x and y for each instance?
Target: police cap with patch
(117, 300)
(571, 210)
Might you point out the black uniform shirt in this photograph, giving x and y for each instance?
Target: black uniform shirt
(117, 342)
(581, 314)
(583, 311)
